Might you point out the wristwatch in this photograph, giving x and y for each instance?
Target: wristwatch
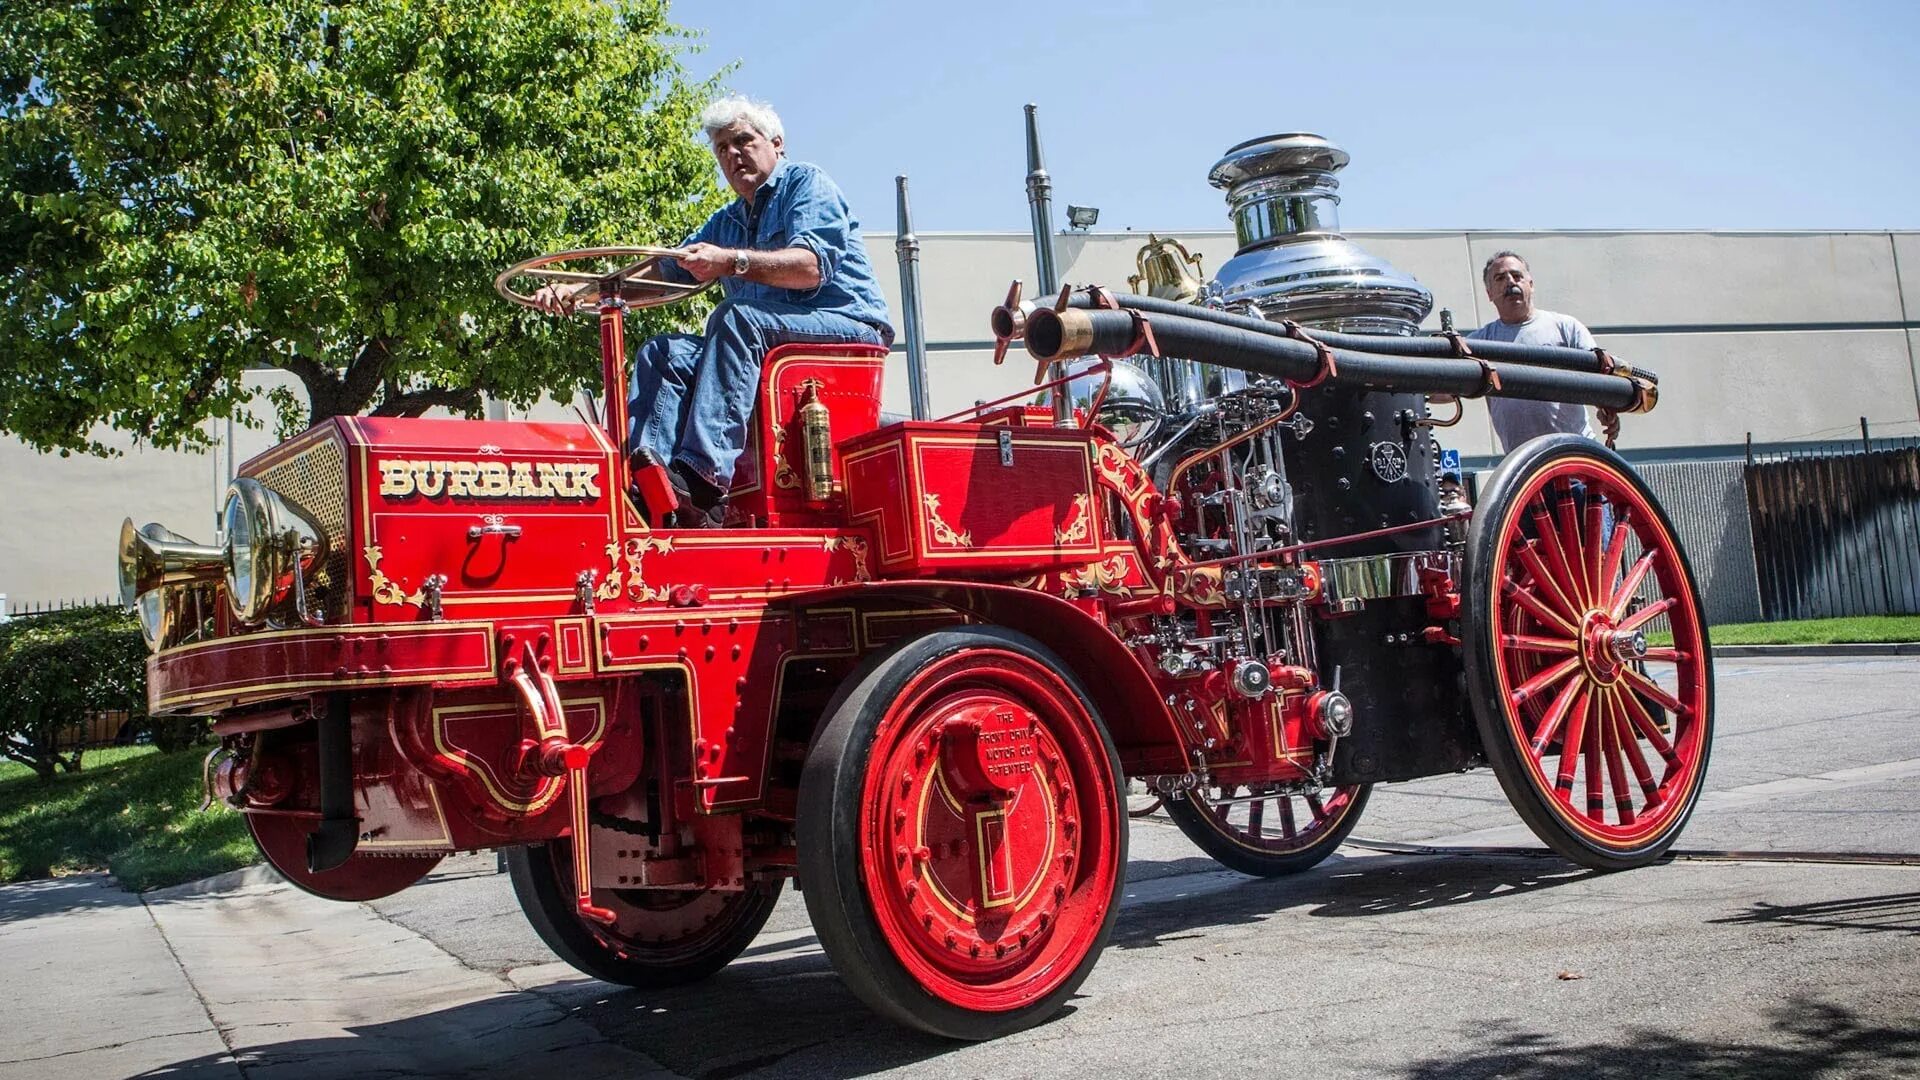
(740, 263)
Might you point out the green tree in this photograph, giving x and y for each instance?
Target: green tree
(56, 670)
(194, 188)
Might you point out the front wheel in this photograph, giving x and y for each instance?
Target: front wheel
(1268, 834)
(962, 834)
(659, 937)
(1587, 655)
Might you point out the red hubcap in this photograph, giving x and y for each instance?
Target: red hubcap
(1598, 653)
(989, 831)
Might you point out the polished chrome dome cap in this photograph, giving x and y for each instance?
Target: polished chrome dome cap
(1293, 263)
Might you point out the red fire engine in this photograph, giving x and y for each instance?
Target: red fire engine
(916, 670)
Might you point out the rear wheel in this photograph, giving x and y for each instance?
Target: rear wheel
(1268, 835)
(1587, 654)
(659, 937)
(962, 833)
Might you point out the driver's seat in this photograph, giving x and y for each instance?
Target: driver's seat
(769, 483)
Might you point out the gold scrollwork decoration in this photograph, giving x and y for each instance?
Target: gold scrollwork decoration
(385, 590)
(1079, 526)
(857, 546)
(942, 531)
(636, 550)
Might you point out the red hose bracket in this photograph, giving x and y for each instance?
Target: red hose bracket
(1328, 369)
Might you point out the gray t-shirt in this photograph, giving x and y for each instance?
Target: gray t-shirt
(1516, 421)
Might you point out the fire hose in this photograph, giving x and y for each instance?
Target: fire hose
(1304, 361)
(1550, 356)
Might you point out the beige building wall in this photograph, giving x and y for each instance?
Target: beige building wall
(1787, 335)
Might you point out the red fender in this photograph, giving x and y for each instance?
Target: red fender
(1150, 741)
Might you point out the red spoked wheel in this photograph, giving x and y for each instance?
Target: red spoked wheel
(282, 840)
(1267, 834)
(1588, 660)
(659, 937)
(962, 835)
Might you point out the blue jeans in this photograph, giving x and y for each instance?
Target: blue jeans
(691, 396)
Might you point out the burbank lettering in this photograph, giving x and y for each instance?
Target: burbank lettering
(400, 479)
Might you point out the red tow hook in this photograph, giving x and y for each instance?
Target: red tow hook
(549, 753)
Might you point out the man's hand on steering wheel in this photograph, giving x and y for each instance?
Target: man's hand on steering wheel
(706, 262)
(558, 299)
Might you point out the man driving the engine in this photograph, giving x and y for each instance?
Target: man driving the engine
(791, 263)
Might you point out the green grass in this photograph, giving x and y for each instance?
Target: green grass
(1859, 629)
(132, 811)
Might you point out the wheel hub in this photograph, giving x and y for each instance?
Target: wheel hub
(1606, 649)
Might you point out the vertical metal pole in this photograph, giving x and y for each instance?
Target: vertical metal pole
(906, 250)
(1040, 203)
(613, 370)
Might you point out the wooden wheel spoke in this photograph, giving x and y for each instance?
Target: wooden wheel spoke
(1552, 541)
(1596, 802)
(1531, 643)
(1616, 549)
(1256, 817)
(1647, 614)
(1650, 731)
(1537, 607)
(1565, 515)
(1557, 712)
(1570, 748)
(1636, 757)
(1594, 539)
(1629, 585)
(1532, 688)
(1287, 824)
(1318, 810)
(1616, 769)
(1653, 690)
(1537, 569)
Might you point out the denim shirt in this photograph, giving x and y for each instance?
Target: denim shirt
(799, 207)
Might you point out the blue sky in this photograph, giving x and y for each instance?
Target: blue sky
(1520, 115)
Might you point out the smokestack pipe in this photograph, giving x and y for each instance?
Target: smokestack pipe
(906, 250)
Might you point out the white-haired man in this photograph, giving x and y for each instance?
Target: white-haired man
(1509, 283)
(788, 255)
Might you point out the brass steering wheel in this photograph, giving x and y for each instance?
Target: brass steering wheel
(632, 272)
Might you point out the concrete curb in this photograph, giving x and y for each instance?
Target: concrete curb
(1903, 648)
(231, 881)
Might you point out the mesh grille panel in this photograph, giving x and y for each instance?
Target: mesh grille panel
(315, 481)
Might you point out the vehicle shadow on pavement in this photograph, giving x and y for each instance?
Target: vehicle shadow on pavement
(1810, 1038)
(1896, 913)
(1351, 888)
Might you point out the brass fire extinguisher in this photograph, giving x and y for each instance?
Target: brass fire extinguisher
(816, 428)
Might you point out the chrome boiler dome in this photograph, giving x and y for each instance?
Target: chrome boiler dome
(1133, 407)
(1293, 263)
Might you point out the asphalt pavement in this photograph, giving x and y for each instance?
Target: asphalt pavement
(1373, 964)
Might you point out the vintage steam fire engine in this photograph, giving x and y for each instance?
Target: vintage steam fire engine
(917, 670)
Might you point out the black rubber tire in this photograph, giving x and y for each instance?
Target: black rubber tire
(1496, 502)
(1200, 829)
(541, 875)
(828, 838)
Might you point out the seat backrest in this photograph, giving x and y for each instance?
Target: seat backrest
(769, 484)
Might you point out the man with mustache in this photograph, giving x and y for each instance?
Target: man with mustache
(1509, 285)
(789, 258)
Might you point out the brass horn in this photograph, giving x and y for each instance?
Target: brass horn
(153, 555)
